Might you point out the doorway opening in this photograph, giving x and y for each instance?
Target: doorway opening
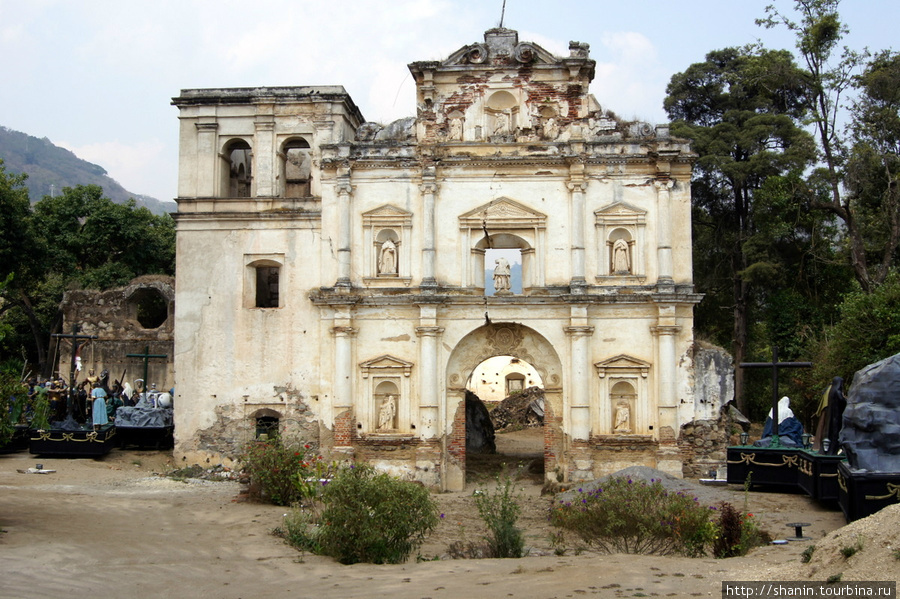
(504, 420)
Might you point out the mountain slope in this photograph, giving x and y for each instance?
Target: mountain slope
(50, 168)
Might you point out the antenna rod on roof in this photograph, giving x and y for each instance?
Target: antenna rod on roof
(502, 14)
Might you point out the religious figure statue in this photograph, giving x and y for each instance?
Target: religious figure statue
(551, 129)
(386, 413)
(501, 275)
(621, 261)
(455, 130)
(623, 418)
(501, 124)
(387, 263)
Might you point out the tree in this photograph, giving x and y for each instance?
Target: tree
(740, 108)
(818, 34)
(872, 172)
(82, 239)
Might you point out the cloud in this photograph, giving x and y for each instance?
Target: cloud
(142, 167)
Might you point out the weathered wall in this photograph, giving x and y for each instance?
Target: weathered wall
(113, 317)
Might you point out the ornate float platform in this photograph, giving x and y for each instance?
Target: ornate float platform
(86, 443)
(817, 474)
(861, 494)
(775, 467)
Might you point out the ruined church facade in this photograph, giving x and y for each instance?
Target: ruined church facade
(331, 271)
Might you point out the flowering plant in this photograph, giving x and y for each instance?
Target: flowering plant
(281, 473)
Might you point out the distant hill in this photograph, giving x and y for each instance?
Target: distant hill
(50, 168)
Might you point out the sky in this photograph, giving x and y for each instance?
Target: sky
(98, 76)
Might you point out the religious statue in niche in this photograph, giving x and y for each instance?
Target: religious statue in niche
(623, 418)
(501, 124)
(621, 260)
(387, 261)
(386, 413)
(455, 133)
(551, 129)
(501, 275)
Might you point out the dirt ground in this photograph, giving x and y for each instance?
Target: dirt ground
(112, 528)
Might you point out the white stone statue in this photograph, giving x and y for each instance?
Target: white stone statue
(455, 130)
(501, 274)
(387, 263)
(623, 418)
(501, 124)
(621, 261)
(386, 413)
(551, 129)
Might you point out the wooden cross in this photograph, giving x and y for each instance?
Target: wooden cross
(146, 357)
(75, 337)
(775, 365)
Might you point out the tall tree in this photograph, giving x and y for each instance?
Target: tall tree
(819, 33)
(82, 239)
(740, 108)
(872, 171)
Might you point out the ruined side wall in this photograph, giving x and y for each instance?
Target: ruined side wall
(112, 316)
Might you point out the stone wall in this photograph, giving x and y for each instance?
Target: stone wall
(126, 320)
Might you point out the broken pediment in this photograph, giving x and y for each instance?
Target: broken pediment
(501, 46)
(622, 364)
(502, 213)
(386, 364)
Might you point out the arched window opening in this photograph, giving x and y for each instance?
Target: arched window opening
(266, 427)
(262, 281)
(297, 168)
(239, 168)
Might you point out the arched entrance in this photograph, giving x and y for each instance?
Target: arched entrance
(502, 339)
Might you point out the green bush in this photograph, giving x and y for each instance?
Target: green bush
(500, 511)
(630, 516)
(364, 516)
(281, 473)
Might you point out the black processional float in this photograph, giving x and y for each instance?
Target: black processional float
(149, 423)
(773, 465)
(68, 437)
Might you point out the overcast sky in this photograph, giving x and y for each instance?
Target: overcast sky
(97, 76)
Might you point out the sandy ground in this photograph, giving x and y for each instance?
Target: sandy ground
(112, 528)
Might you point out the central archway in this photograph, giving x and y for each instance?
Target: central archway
(502, 339)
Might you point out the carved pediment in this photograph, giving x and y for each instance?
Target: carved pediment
(622, 364)
(620, 213)
(386, 364)
(387, 215)
(501, 46)
(502, 213)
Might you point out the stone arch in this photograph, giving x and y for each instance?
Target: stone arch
(296, 167)
(237, 169)
(503, 339)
